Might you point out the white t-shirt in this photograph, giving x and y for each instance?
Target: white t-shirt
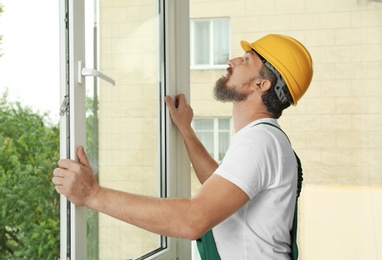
(260, 161)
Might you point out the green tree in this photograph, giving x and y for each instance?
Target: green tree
(29, 204)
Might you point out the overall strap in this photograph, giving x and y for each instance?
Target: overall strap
(299, 167)
(207, 247)
(293, 232)
(266, 123)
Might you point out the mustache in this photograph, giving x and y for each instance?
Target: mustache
(229, 72)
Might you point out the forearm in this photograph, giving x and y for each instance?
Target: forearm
(169, 217)
(182, 114)
(174, 217)
(204, 165)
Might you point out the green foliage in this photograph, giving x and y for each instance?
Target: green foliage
(91, 130)
(29, 204)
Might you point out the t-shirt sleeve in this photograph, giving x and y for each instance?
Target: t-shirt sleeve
(249, 162)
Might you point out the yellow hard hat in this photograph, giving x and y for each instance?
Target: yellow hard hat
(290, 58)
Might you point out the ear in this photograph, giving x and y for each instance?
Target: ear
(263, 85)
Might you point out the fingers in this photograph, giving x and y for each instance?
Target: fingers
(82, 158)
(74, 179)
(57, 172)
(58, 180)
(180, 99)
(172, 105)
(64, 181)
(169, 103)
(68, 165)
(62, 172)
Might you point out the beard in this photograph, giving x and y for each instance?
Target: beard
(225, 94)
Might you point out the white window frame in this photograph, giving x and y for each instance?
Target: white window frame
(211, 64)
(216, 132)
(174, 15)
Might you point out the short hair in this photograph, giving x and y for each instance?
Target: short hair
(270, 99)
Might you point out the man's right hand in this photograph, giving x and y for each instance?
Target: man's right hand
(181, 112)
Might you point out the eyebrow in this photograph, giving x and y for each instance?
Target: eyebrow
(248, 53)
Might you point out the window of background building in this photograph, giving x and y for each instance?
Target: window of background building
(215, 134)
(210, 45)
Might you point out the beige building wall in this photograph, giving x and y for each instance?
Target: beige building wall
(336, 128)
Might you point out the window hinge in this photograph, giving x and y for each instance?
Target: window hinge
(64, 106)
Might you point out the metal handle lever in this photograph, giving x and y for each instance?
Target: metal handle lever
(92, 72)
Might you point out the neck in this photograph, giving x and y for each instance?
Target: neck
(243, 114)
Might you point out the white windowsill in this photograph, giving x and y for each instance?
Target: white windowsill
(209, 67)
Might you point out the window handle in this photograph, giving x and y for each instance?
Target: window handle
(92, 72)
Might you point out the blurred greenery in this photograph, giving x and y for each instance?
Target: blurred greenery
(29, 204)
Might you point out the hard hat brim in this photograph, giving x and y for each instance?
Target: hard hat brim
(246, 46)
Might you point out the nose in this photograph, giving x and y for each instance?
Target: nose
(233, 62)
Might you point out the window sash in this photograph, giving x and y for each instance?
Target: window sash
(73, 128)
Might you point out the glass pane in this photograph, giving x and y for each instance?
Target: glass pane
(203, 124)
(224, 124)
(223, 143)
(123, 120)
(221, 41)
(336, 128)
(201, 40)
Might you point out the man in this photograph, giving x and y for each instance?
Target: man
(249, 200)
